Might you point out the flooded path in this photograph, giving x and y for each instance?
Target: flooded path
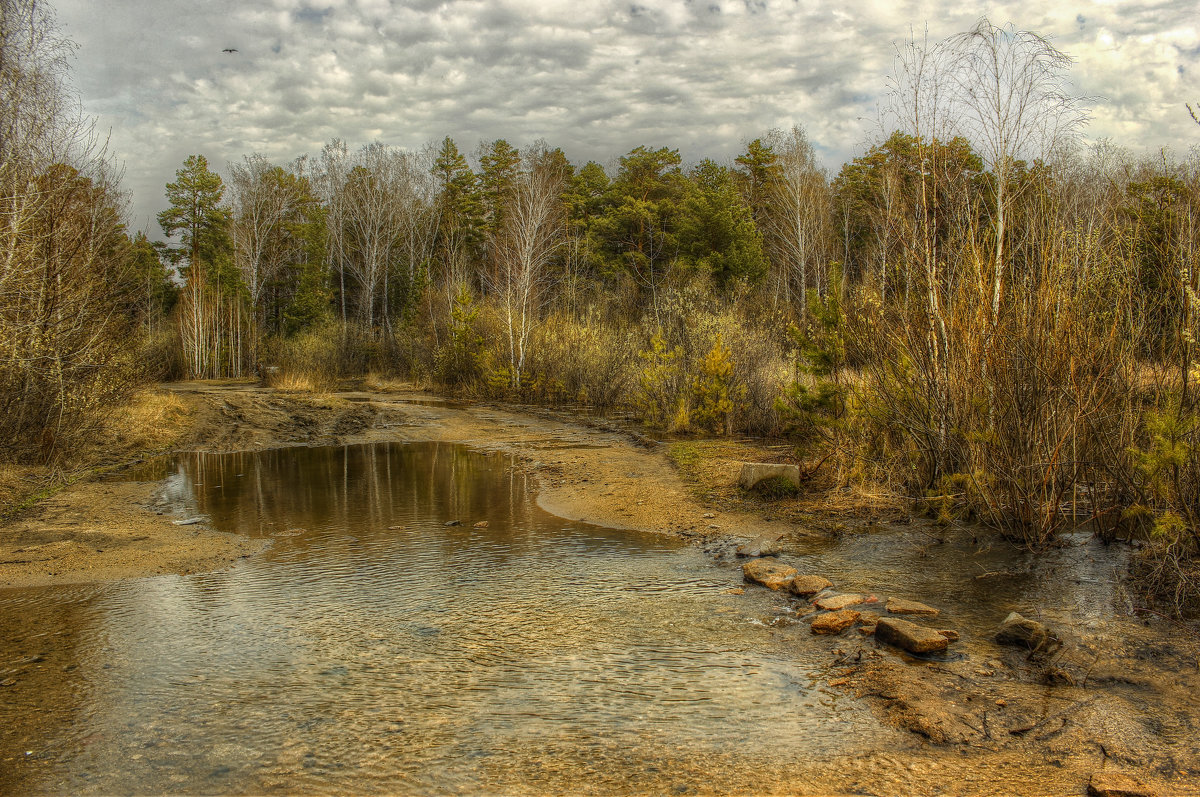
(373, 648)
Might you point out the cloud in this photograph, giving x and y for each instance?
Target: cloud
(595, 78)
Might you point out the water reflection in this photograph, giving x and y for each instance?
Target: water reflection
(373, 648)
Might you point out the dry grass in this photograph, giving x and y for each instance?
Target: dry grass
(18, 484)
(297, 382)
(379, 383)
(152, 421)
(710, 468)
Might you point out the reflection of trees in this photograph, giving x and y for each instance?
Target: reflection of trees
(363, 489)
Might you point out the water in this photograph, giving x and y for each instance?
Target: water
(374, 649)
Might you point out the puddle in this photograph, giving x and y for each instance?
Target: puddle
(374, 649)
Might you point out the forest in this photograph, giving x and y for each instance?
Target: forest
(982, 312)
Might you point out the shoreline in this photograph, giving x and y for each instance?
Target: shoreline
(99, 529)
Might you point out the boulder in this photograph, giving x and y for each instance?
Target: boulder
(1111, 783)
(806, 586)
(909, 636)
(836, 602)
(764, 545)
(754, 472)
(834, 622)
(1025, 633)
(771, 573)
(901, 606)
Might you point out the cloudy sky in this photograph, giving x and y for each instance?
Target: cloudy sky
(594, 77)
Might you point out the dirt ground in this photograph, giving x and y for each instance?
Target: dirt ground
(1006, 726)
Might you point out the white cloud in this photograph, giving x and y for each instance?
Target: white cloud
(595, 78)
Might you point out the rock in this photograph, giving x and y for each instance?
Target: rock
(1023, 632)
(949, 634)
(901, 606)
(909, 636)
(763, 545)
(834, 622)
(771, 573)
(482, 524)
(191, 521)
(1111, 783)
(835, 602)
(754, 472)
(735, 591)
(452, 523)
(805, 586)
(868, 618)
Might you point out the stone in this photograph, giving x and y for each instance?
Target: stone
(868, 618)
(835, 602)
(1110, 783)
(950, 634)
(763, 545)
(771, 573)
(754, 472)
(909, 636)
(482, 524)
(834, 622)
(806, 586)
(1025, 633)
(452, 523)
(901, 606)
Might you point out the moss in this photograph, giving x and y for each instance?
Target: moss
(775, 488)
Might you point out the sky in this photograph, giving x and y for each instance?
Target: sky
(594, 77)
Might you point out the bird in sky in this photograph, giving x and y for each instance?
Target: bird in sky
(229, 50)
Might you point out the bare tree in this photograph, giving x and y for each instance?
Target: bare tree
(332, 173)
(798, 216)
(1010, 97)
(62, 249)
(526, 245)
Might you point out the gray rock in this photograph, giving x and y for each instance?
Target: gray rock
(1022, 632)
(452, 523)
(763, 545)
(771, 573)
(754, 472)
(909, 636)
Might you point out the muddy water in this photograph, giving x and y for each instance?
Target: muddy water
(373, 648)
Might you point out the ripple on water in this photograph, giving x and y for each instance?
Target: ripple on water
(530, 655)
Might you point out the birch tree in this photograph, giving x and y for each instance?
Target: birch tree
(1009, 92)
(798, 216)
(532, 234)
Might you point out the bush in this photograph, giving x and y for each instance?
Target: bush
(312, 361)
